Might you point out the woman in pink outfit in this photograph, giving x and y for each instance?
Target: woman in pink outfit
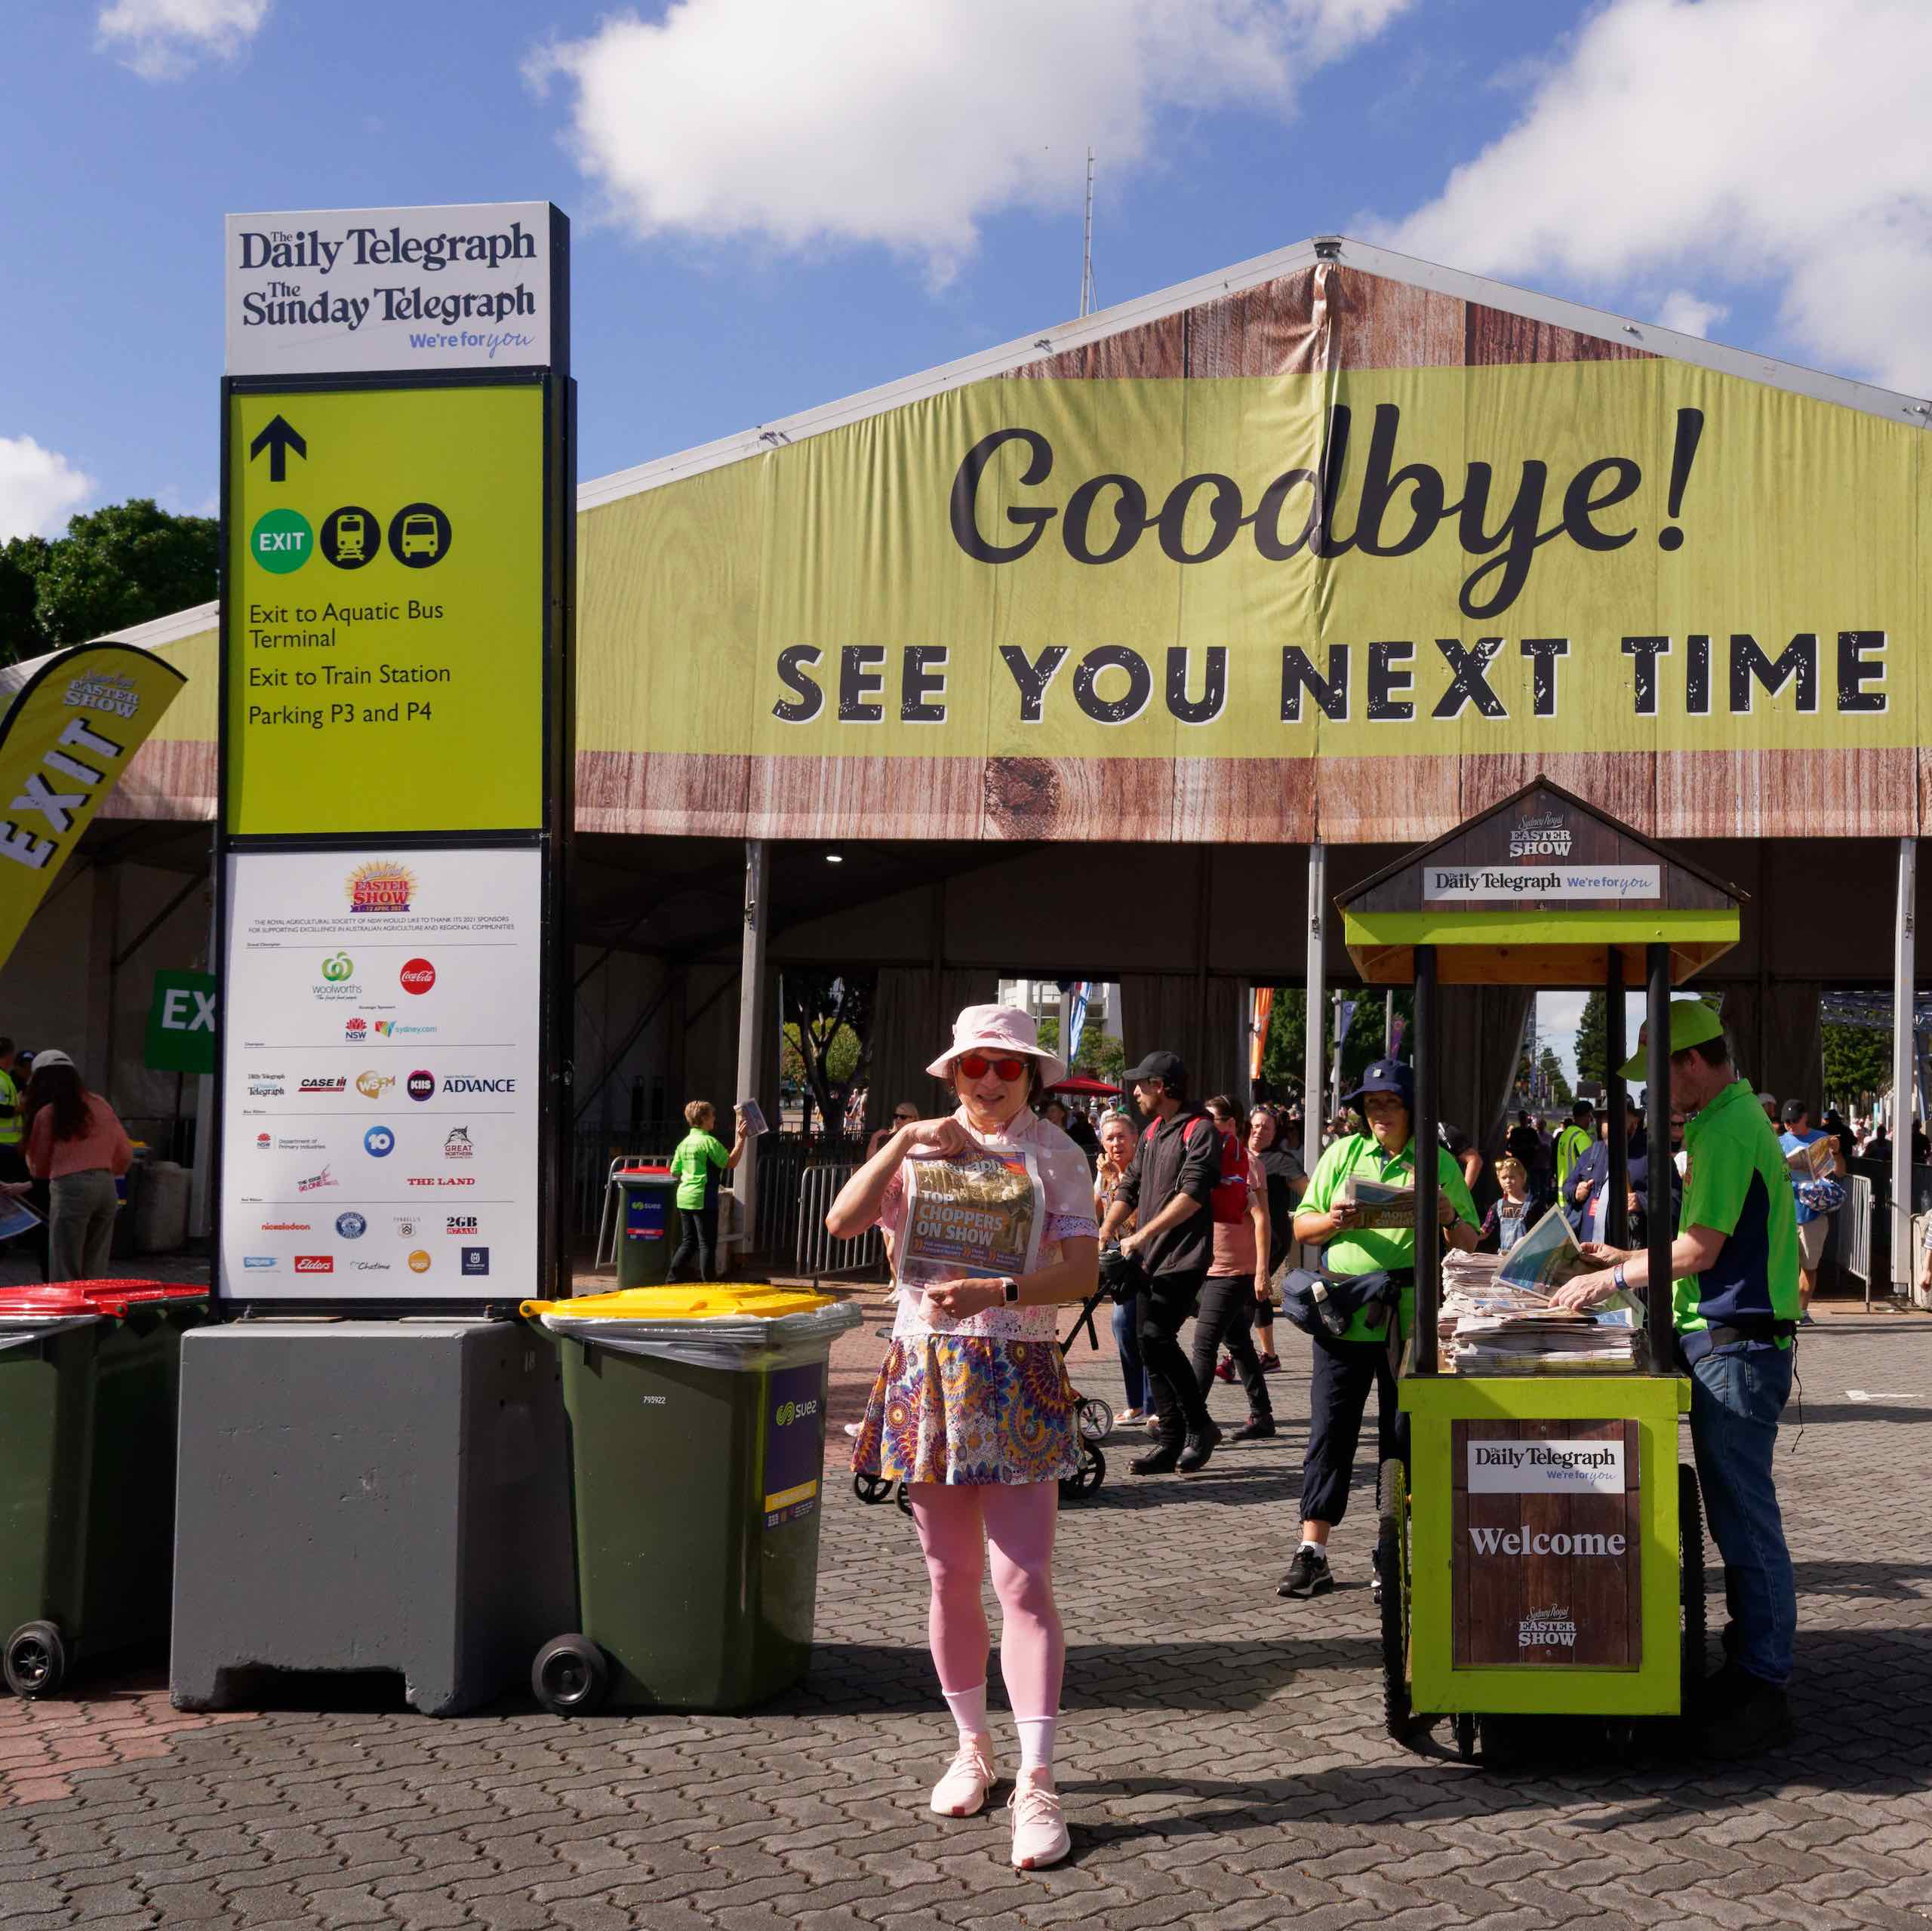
(75, 1143)
(974, 1411)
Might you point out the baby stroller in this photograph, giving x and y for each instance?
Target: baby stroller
(1094, 1419)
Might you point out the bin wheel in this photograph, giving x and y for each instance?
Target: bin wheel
(1095, 1419)
(1465, 1738)
(36, 1662)
(872, 1490)
(1085, 1479)
(1690, 1572)
(904, 1499)
(1392, 1561)
(570, 1676)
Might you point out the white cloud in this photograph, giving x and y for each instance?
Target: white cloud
(161, 40)
(1688, 314)
(39, 488)
(860, 122)
(1779, 143)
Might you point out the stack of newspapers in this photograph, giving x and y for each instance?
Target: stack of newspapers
(1497, 1317)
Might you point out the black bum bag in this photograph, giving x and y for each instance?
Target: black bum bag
(1374, 1294)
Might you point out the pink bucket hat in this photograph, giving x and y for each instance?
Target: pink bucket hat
(999, 1031)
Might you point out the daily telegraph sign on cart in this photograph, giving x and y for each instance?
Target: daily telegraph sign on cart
(395, 738)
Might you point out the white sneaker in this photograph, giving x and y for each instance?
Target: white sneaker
(962, 1792)
(1039, 1832)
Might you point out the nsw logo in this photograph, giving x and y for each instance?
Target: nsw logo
(422, 1084)
(380, 1141)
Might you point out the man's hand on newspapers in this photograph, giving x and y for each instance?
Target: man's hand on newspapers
(1587, 1290)
(944, 1138)
(959, 1299)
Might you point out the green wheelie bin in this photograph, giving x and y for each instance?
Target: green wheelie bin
(90, 1385)
(696, 1420)
(648, 1224)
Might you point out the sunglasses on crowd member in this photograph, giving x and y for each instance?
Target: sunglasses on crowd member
(904, 1116)
(974, 1066)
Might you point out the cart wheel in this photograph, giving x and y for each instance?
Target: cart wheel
(1393, 1562)
(36, 1661)
(872, 1490)
(1690, 1571)
(1084, 1480)
(1096, 1419)
(1465, 1738)
(904, 1499)
(570, 1676)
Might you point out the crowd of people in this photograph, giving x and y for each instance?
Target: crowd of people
(1186, 1209)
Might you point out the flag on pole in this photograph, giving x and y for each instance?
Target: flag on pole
(1395, 1039)
(1077, 996)
(1345, 1018)
(1261, 1002)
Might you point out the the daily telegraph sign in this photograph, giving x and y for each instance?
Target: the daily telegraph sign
(414, 289)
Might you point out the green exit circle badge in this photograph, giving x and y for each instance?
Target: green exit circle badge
(282, 540)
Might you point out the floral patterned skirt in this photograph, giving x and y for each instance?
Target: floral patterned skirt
(965, 1409)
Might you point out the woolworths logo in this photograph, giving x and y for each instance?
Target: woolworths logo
(789, 1412)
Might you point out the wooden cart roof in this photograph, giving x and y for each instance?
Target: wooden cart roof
(1538, 890)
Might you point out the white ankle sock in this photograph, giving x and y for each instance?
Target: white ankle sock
(1318, 1549)
(1036, 1742)
(969, 1709)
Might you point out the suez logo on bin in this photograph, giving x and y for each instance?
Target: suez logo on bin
(788, 1412)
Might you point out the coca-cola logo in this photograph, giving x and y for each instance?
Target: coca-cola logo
(418, 975)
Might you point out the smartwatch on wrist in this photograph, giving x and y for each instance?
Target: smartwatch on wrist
(1012, 1287)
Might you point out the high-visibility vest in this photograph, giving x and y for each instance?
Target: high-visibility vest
(1571, 1144)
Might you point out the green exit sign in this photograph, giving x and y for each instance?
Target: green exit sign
(181, 1023)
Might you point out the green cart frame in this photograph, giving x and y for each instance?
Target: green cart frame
(1564, 1486)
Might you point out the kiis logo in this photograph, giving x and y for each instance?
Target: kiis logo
(373, 1086)
(382, 885)
(418, 975)
(422, 1084)
(337, 967)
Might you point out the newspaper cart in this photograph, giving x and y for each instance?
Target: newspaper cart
(1541, 1553)
(697, 1464)
(90, 1378)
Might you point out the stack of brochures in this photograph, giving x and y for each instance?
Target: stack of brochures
(1496, 1317)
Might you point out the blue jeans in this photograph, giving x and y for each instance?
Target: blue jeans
(1737, 1395)
(1127, 1345)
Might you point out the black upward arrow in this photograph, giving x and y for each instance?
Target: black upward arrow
(278, 439)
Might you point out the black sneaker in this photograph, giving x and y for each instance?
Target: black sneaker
(1201, 1445)
(1160, 1460)
(1740, 1715)
(1259, 1427)
(1309, 1575)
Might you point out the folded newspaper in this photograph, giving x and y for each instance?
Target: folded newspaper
(974, 1214)
(1816, 1160)
(1381, 1205)
(1547, 1256)
(1490, 1324)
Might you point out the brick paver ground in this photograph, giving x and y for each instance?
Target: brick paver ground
(1221, 1752)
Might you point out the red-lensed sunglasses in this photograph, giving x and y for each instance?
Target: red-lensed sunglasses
(974, 1066)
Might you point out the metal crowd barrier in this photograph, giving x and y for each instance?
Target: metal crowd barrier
(814, 1251)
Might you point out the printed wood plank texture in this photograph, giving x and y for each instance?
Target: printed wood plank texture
(1388, 801)
(1486, 1595)
(1622, 783)
(1268, 330)
(1378, 324)
(662, 794)
(168, 778)
(1493, 335)
(1244, 800)
(1111, 798)
(877, 798)
(1154, 349)
(1841, 791)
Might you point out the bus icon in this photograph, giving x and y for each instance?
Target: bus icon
(419, 535)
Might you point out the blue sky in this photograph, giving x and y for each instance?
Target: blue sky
(779, 202)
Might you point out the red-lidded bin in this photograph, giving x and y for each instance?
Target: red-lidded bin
(89, 1392)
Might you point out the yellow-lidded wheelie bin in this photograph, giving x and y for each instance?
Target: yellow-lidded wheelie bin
(696, 1420)
(90, 1384)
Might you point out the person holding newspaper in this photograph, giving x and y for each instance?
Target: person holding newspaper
(1735, 1268)
(973, 1410)
(1352, 1349)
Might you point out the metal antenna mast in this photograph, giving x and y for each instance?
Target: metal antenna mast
(1086, 302)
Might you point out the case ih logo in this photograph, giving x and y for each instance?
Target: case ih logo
(422, 1084)
(1545, 835)
(418, 975)
(340, 1085)
(315, 1263)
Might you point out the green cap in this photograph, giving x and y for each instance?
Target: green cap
(1691, 1023)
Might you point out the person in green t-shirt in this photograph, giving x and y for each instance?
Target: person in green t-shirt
(1734, 1293)
(1572, 1143)
(13, 1128)
(700, 1159)
(1348, 1364)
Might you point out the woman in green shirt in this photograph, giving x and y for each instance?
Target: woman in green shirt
(1348, 1364)
(700, 1159)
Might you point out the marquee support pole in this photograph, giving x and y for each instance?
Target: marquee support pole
(1905, 971)
(1422, 1357)
(751, 1021)
(1313, 1109)
(1617, 1100)
(1658, 1296)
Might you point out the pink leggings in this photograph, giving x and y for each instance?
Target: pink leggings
(955, 1522)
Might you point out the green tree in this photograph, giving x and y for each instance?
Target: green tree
(116, 566)
(1592, 1049)
(22, 559)
(1858, 1060)
(1100, 1057)
(1287, 1031)
(827, 1028)
(1553, 1081)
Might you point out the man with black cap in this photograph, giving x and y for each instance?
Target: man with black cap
(1735, 1265)
(1171, 1183)
(1349, 1363)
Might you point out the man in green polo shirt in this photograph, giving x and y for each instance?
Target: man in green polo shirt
(1572, 1143)
(1735, 1306)
(1348, 1364)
